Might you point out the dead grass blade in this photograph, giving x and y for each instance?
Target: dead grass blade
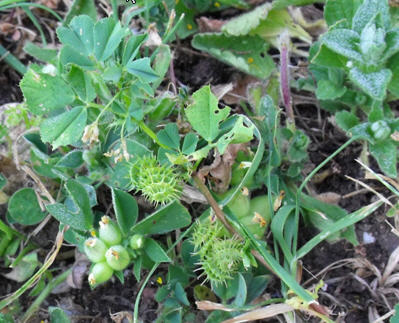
(261, 313)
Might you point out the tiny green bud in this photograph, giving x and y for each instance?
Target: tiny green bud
(95, 249)
(137, 241)
(117, 257)
(380, 129)
(100, 273)
(109, 231)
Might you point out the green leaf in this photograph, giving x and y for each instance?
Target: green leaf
(137, 268)
(64, 129)
(141, 68)
(131, 48)
(181, 294)
(81, 83)
(76, 219)
(79, 35)
(57, 315)
(45, 93)
(246, 22)
(239, 134)
(385, 152)
(204, 114)
(107, 36)
(395, 317)
(168, 218)
(169, 136)
(326, 57)
(73, 159)
(155, 252)
(346, 120)
(70, 55)
(125, 208)
(25, 268)
(392, 42)
(189, 143)
(369, 11)
(374, 84)
(246, 53)
(161, 63)
(341, 12)
(3, 181)
(81, 199)
(241, 296)
(24, 207)
(327, 90)
(276, 23)
(279, 4)
(42, 54)
(81, 7)
(256, 285)
(393, 65)
(344, 42)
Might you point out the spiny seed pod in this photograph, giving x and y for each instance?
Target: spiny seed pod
(158, 183)
(117, 257)
(137, 242)
(109, 231)
(204, 234)
(223, 260)
(100, 273)
(95, 249)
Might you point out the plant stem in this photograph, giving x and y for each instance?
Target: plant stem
(43, 295)
(299, 193)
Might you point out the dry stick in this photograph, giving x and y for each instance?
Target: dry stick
(220, 215)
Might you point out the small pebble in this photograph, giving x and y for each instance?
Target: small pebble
(368, 238)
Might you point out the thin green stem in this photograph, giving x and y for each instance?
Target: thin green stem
(151, 134)
(299, 193)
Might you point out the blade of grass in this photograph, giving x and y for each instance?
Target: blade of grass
(11, 60)
(30, 4)
(347, 221)
(35, 23)
(277, 227)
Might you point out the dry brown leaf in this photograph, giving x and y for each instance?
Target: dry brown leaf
(261, 313)
(211, 306)
(329, 197)
(219, 172)
(207, 25)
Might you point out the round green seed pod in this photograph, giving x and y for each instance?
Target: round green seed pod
(100, 273)
(261, 205)
(95, 249)
(117, 257)
(109, 232)
(137, 241)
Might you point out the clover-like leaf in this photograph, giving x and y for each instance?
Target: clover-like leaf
(107, 36)
(385, 152)
(142, 69)
(204, 114)
(64, 129)
(45, 93)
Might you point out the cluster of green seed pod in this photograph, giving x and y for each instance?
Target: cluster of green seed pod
(158, 183)
(108, 252)
(220, 256)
